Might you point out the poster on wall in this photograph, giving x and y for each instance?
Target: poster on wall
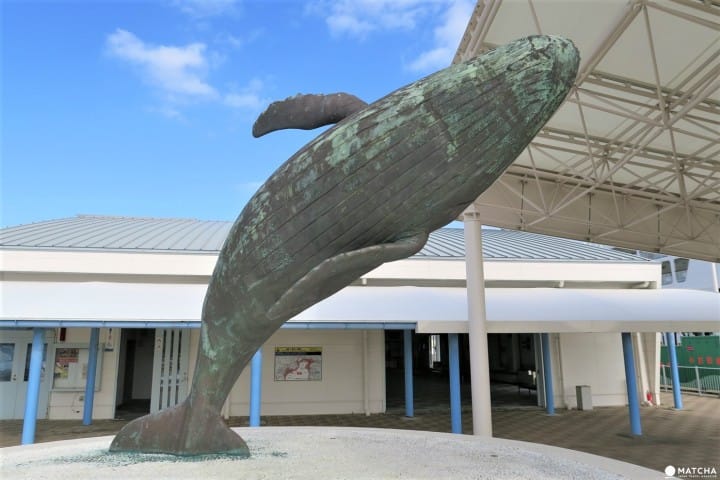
(293, 364)
(71, 366)
(65, 360)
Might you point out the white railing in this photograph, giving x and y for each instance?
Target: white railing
(693, 379)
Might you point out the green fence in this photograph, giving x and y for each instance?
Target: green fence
(696, 379)
(698, 364)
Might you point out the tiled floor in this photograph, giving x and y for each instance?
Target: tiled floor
(689, 437)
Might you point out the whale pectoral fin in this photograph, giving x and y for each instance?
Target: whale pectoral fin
(306, 112)
(339, 271)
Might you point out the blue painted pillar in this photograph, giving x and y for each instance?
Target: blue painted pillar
(33, 388)
(408, 363)
(255, 388)
(674, 374)
(633, 404)
(455, 404)
(91, 373)
(547, 374)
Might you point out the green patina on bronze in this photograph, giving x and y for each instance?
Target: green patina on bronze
(367, 191)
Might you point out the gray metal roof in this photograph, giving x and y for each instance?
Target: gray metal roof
(110, 233)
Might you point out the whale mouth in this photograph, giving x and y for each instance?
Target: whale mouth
(566, 61)
(539, 72)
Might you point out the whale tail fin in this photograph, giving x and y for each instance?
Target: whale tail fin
(180, 430)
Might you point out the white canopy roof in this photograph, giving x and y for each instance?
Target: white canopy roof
(444, 310)
(432, 309)
(632, 158)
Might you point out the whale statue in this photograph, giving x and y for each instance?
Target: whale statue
(366, 191)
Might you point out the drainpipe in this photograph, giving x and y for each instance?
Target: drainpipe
(547, 373)
(255, 388)
(642, 365)
(455, 401)
(408, 364)
(674, 373)
(91, 374)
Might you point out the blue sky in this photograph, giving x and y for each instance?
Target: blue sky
(144, 108)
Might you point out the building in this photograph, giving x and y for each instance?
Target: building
(141, 282)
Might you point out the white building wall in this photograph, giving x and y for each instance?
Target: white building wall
(700, 275)
(341, 389)
(594, 359)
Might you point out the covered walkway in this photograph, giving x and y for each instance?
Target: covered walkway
(671, 437)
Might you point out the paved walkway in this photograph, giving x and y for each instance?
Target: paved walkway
(690, 437)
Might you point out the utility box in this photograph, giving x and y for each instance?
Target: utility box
(584, 397)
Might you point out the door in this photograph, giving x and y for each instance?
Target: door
(170, 368)
(15, 348)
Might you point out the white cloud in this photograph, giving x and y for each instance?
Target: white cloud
(447, 37)
(235, 41)
(243, 100)
(340, 23)
(179, 73)
(249, 188)
(247, 97)
(175, 70)
(359, 17)
(435, 59)
(231, 40)
(168, 112)
(207, 8)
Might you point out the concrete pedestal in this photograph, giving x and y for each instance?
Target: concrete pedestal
(323, 452)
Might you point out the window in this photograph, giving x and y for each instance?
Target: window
(666, 273)
(435, 357)
(27, 362)
(7, 354)
(681, 268)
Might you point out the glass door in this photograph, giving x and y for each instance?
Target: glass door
(15, 348)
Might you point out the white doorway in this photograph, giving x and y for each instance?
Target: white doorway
(15, 348)
(170, 368)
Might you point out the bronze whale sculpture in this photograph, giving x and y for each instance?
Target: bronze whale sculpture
(368, 190)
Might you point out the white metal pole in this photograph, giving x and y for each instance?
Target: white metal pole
(477, 325)
(642, 366)
(366, 374)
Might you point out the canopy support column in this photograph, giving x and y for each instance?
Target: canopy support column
(455, 401)
(91, 374)
(630, 380)
(255, 388)
(33, 388)
(408, 366)
(477, 325)
(547, 374)
(674, 374)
